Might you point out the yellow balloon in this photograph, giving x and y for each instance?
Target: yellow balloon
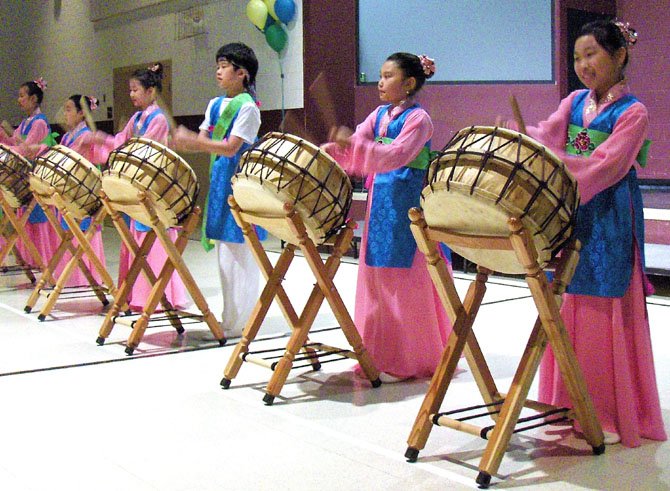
(270, 4)
(257, 13)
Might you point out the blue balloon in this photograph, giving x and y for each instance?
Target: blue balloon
(285, 10)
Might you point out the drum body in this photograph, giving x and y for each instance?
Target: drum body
(72, 176)
(14, 172)
(144, 165)
(283, 168)
(486, 175)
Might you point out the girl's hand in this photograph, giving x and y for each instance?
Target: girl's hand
(31, 150)
(99, 137)
(340, 135)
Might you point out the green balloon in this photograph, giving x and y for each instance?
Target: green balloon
(276, 37)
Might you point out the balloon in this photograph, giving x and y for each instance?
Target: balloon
(268, 22)
(285, 10)
(276, 37)
(257, 13)
(270, 4)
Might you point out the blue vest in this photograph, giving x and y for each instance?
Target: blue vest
(605, 225)
(67, 142)
(390, 243)
(140, 131)
(221, 224)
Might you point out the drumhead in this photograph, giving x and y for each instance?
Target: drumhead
(283, 168)
(14, 171)
(76, 179)
(485, 176)
(145, 166)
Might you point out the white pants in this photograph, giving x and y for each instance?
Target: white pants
(240, 282)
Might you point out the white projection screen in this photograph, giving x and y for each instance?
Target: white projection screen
(472, 41)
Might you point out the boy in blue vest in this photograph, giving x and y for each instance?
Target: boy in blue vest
(231, 125)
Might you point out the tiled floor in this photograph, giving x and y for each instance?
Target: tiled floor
(77, 416)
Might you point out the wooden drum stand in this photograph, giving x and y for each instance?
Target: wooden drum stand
(82, 248)
(140, 265)
(504, 409)
(300, 326)
(12, 220)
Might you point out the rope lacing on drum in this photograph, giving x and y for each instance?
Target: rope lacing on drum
(259, 168)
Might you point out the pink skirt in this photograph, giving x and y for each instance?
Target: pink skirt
(175, 290)
(400, 317)
(77, 278)
(46, 242)
(612, 342)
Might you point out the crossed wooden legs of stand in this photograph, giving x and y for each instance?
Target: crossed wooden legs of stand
(504, 409)
(157, 294)
(11, 220)
(300, 326)
(82, 248)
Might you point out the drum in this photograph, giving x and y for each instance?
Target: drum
(169, 182)
(14, 172)
(486, 175)
(72, 176)
(283, 168)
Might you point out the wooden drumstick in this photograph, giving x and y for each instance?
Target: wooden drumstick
(320, 92)
(87, 114)
(168, 113)
(291, 124)
(517, 114)
(9, 129)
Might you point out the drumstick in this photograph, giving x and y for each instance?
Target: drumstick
(9, 129)
(290, 124)
(87, 114)
(517, 114)
(168, 114)
(320, 92)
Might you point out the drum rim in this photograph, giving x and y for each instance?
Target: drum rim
(335, 201)
(69, 152)
(511, 134)
(293, 165)
(14, 154)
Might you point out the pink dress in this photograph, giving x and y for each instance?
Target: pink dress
(400, 317)
(610, 335)
(44, 237)
(80, 145)
(157, 129)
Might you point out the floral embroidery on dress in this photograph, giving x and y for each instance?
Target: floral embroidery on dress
(582, 143)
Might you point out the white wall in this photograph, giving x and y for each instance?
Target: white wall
(76, 56)
(14, 31)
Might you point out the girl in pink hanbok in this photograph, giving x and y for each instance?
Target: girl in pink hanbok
(78, 139)
(604, 309)
(149, 122)
(402, 322)
(33, 131)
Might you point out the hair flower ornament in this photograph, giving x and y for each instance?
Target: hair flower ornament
(428, 65)
(93, 102)
(41, 83)
(629, 34)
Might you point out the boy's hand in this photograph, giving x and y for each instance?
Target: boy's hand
(185, 139)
